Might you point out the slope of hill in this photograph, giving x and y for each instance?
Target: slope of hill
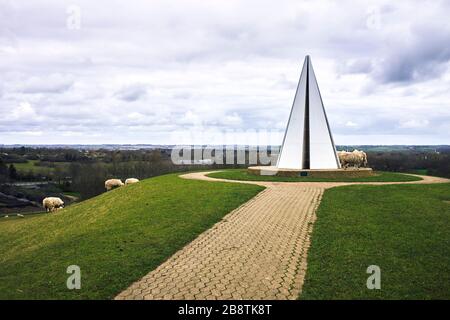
(114, 238)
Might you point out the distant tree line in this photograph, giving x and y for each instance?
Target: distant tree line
(84, 171)
(436, 163)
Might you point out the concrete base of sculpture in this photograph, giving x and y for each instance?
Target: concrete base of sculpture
(314, 173)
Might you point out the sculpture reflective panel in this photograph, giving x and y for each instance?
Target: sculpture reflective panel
(308, 143)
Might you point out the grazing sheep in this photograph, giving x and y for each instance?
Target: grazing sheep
(131, 181)
(113, 183)
(352, 159)
(51, 204)
(20, 215)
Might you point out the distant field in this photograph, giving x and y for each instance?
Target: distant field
(241, 174)
(115, 238)
(32, 165)
(403, 229)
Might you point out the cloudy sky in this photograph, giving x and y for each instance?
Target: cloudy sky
(221, 71)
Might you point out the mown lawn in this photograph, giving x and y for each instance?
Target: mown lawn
(404, 229)
(241, 174)
(114, 238)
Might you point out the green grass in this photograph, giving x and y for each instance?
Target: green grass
(241, 174)
(32, 165)
(420, 171)
(72, 194)
(115, 238)
(25, 167)
(404, 229)
(13, 216)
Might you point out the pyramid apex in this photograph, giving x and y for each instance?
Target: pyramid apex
(307, 59)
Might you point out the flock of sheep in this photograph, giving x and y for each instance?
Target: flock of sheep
(115, 183)
(355, 158)
(51, 204)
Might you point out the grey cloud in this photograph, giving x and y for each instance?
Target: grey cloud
(132, 93)
(421, 57)
(182, 95)
(284, 83)
(54, 83)
(143, 67)
(362, 65)
(424, 57)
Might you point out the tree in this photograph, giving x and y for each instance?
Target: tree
(3, 168)
(89, 179)
(12, 172)
(3, 171)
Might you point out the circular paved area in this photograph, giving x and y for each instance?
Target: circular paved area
(257, 251)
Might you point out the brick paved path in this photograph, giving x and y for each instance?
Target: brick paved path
(258, 251)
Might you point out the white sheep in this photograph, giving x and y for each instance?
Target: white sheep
(113, 183)
(51, 204)
(131, 181)
(354, 159)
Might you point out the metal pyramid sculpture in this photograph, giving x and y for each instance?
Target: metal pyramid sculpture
(308, 143)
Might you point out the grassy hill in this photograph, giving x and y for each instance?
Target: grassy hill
(119, 236)
(114, 238)
(403, 229)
